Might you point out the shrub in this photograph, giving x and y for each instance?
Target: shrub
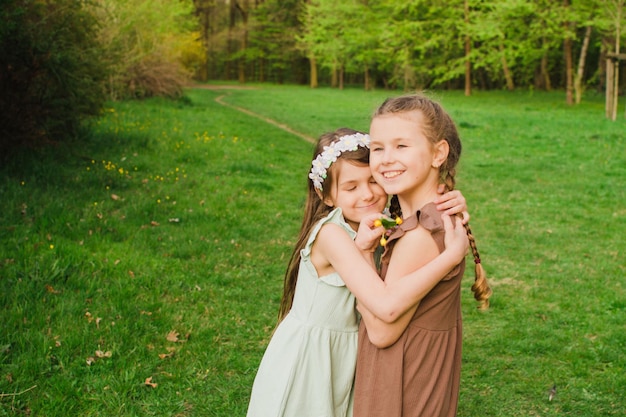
(144, 43)
(50, 71)
(154, 77)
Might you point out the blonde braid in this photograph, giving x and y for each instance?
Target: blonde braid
(480, 288)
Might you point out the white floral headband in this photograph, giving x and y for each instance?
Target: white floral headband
(331, 153)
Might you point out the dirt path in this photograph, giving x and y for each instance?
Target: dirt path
(220, 100)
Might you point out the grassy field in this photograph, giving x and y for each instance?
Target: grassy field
(141, 269)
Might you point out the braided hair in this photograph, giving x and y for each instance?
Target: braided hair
(439, 125)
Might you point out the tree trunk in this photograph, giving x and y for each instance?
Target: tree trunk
(612, 70)
(468, 47)
(569, 85)
(204, 16)
(609, 90)
(244, 41)
(618, 25)
(545, 71)
(569, 66)
(341, 74)
(510, 85)
(367, 79)
(232, 16)
(578, 81)
(545, 74)
(313, 65)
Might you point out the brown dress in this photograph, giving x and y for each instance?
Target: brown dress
(419, 375)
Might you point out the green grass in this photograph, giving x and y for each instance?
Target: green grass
(180, 217)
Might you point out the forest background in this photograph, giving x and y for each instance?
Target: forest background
(63, 59)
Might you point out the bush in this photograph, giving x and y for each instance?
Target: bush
(51, 75)
(155, 78)
(144, 44)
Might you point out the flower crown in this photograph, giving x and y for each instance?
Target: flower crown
(330, 154)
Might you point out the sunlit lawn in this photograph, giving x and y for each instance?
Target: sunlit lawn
(141, 269)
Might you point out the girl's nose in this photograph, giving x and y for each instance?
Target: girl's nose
(368, 194)
(387, 156)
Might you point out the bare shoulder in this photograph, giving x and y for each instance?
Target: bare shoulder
(412, 251)
(332, 234)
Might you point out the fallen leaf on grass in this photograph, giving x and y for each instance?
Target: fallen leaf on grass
(101, 354)
(51, 289)
(552, 393)
(148, 382)
(172, 336)
(170, 353)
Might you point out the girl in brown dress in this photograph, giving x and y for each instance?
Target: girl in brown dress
(411, 367)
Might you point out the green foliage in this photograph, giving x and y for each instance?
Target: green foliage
(411, 44)
(148, 45)
(142, 273)
(51, 71)
(271, 39)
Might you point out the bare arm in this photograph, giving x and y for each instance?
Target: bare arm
(388, 301)
(412, 252)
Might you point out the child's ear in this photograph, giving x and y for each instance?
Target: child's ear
(440, 154)
(328, 201)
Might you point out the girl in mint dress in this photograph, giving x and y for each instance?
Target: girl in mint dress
(309, 365)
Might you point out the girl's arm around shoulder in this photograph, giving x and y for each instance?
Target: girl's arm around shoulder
(387, 302)
(381, 334)
(414, 250)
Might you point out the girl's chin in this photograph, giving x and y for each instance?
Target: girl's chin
(391, 189)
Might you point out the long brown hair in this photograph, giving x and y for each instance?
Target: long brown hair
(315, 209)
(439, 125)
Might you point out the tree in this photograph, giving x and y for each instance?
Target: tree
(567, 52)
(145, 42)
(51, 71)
(613, 18)
(468, 50)
(411, 44)
(324, 36)
(273, 45)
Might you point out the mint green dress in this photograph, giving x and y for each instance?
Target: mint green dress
(308, 367)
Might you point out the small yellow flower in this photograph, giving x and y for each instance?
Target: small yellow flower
(377, 223)
(51, 246)
(398, 220)
(383, 241)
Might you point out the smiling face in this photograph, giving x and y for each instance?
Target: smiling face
(403, 160)
(355, 191)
